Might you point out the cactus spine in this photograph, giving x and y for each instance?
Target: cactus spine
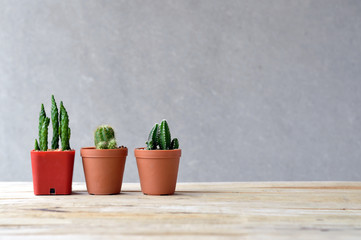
(160, 138)
(55, 124)
(104, 138)
(65, 131)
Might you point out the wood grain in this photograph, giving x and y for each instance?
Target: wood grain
(272, 210)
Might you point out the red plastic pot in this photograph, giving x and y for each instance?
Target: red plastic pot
(158, 170)
(52, 172)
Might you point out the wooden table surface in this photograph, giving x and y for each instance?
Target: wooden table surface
(252, 210)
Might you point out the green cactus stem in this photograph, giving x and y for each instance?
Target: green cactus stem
(55, 124)
(43, 139)
(174, 144)
(104, 138)
(42, 116)
(64, 128)
(153, 137)
(60, 117)
(164, 135)
(36, 147)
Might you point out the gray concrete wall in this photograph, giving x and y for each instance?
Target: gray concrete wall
(254, 90)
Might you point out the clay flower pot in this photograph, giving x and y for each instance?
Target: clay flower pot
(103, 169)
(52, 171)
(158, 170)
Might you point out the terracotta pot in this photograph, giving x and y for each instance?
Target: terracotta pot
(158, 170)
(52, 172)
(103, 169)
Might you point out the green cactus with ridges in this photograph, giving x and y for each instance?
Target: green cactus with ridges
(104, 138)
(60, 115)
(160, 138)
(60, 123)
(153, 137)
(42, 116)
(55, 124)
(36, 146)
(174, 144)
(43, 139)
(164, 135)
(64, 128)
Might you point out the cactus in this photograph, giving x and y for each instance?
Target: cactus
(104, 138)
(60, 117)
(43, 138)
(59, 128)
(153, 137)
(43, 130)
(160, 138)
(42, 116)
(64, 129)
(164, 135)
(36, 147)
(174, 144)
(55, 124)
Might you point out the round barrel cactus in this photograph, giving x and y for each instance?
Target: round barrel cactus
(104, 138)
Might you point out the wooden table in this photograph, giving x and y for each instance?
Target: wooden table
(272, 210)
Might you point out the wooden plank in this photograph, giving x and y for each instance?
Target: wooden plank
(252, 210)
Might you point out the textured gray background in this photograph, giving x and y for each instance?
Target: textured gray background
(254, 90)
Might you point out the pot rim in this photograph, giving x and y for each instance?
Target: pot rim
(92, 152)
(158, 150)
(171, 153)
(53, 151)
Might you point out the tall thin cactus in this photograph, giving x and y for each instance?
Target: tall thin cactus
(55, 124)
(42, 117)
(43, 138)
(64, 129)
